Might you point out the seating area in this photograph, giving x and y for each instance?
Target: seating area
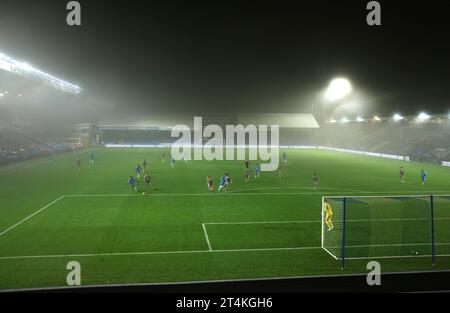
(426, 142)
(20, 145)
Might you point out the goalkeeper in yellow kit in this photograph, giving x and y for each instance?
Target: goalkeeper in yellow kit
(328, 215)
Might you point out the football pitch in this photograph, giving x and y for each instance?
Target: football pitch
(51, 214)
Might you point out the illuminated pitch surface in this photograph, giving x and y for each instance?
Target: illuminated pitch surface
(180, 232)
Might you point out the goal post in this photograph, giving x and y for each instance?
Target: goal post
(75, 143)
(371, 227)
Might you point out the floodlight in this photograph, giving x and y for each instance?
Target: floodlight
(338, 89)
(397, 117)
(345, 120)
(28, 71)
(1, 94)
(360, 119)
(423, 117)
(333, 120)
(376, 118)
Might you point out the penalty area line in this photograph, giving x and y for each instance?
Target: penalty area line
(207, 237)
(31, 215)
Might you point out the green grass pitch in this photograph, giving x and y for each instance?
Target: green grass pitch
(51, 214)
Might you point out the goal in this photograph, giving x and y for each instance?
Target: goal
(74, 142)
(375, 227)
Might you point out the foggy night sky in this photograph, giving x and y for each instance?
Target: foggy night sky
(243, 56)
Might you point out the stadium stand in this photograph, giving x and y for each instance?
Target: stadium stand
(19, 145)
(427, 142)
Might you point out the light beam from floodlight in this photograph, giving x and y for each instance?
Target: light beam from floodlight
(376, 118)
(423, 117)
(345, 120)
(360, 119)
(28, 71)
(338, 89)
(397, 117)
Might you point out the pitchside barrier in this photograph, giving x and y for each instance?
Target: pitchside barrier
(168, 145)
(379, 227)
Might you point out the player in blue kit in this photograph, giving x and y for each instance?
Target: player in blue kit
(91, 157)
(423, 176)
(224, 180)
(138, 170)
(257, 170)
(132, 183)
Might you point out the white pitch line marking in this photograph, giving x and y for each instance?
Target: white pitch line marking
(393, 197)
(318, 221)
(31, 215)
(291, 187)
(154, 253)
(207, 237)
(243, 194)
(396, 257)
(392, 245)
(19, 167)
(260, 222)
(334, 257)
(194, 194)
(198, 251)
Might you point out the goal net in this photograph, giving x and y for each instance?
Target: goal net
(363, 227)
(75, 143)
